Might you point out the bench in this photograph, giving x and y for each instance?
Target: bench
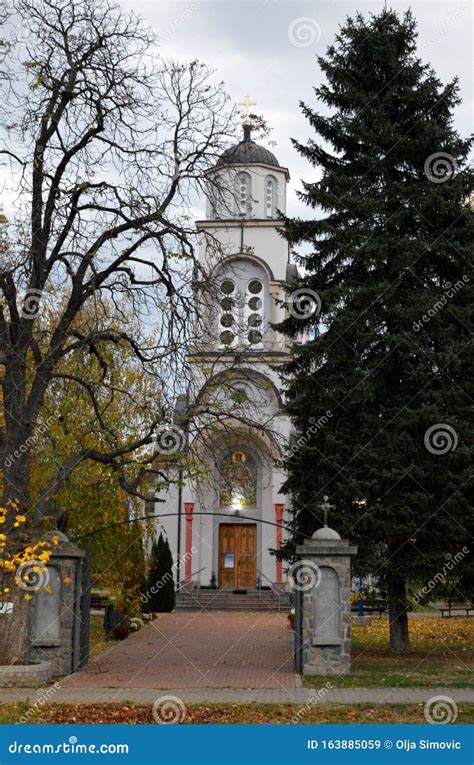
(372, 606)
(98, 601)
(467, 607)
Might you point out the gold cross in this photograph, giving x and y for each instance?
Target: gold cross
(247, 103)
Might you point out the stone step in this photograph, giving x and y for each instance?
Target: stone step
(234, 601)
(226, 600)
(216, 607)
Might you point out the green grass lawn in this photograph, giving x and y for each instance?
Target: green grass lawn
(230, 713)
(442, 656)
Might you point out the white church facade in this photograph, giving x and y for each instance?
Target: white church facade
(223, 524)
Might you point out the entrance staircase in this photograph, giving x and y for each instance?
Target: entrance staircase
(227, 600)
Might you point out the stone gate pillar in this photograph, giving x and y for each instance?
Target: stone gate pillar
(56, 608)
(325, 568)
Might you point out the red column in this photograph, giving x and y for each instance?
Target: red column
(188, 509)
(279, 538)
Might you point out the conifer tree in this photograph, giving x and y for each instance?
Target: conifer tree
(160, 595)
(387, 318)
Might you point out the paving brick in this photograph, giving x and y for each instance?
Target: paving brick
(198, 650)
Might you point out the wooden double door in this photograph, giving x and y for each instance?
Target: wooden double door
(238, 556)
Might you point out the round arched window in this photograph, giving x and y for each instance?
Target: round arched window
(227, 317)
(255, 286)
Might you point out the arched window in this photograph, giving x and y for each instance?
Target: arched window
(242, 307)
(238, 480)
(270, 196)
(243, 194)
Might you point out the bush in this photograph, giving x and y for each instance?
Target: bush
(160, 593)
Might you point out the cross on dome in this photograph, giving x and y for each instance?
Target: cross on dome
(247, 103)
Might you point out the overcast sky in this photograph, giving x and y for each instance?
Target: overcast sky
(267, 48)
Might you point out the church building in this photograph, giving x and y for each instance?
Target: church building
(222, 525)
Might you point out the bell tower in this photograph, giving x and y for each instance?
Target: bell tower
(234, 514)
(247, 194)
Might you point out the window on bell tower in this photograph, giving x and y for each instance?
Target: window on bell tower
(241, 312)
(243, 194)
(270, 196)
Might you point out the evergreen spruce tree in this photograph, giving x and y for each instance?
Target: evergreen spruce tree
(161, 596)
(388, 359)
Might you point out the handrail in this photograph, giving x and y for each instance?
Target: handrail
(193, 573)
(272, 587)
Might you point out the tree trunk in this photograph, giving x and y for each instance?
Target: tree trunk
(398, 616)
(15, 456)
(14, 629)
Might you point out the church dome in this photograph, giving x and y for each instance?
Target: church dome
(247, 152)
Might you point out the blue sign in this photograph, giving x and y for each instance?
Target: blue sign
(235, 744)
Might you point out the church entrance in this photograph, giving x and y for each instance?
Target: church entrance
(238, 556)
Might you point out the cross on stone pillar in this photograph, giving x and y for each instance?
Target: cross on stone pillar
(326, 507)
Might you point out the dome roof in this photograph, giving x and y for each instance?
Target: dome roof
(325, 534)
(247, 152)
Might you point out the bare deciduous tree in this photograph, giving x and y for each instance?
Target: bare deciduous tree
(107, 145)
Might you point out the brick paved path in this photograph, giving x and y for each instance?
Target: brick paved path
(198, 650)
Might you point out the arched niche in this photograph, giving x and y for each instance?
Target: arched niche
(327, 608)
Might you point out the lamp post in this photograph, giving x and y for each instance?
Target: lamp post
(360, 602)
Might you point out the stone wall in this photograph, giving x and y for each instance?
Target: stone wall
(25, 675)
